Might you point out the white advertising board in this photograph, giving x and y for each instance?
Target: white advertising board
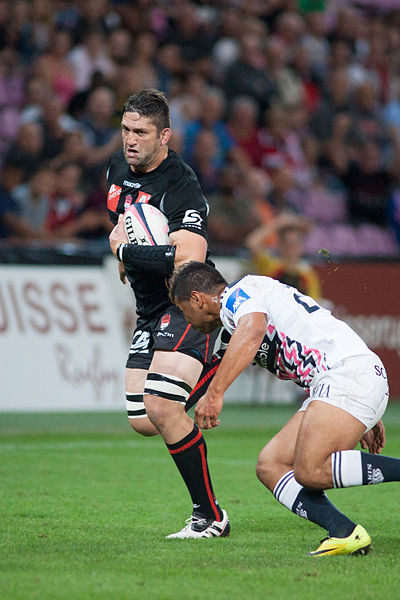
(61, 343)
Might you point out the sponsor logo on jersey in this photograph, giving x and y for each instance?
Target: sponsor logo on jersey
(133, 184)
(113, 196)
(143, 198)
(236, 298)
(165, 334)
(128, 202)
(165, 320)
(192, 218)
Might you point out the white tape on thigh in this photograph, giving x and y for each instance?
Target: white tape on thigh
(167, 386)
(135, 405)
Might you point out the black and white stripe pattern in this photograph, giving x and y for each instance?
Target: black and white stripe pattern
(167, 386)
(337, 469)
(135, 405)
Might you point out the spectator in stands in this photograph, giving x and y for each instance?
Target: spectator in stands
(90, 57)
(315, 40)
(281, 147)
(54, 67)
(341, 57)
(335, 100)
(286, 263)
(33, 199)
(185, 107)
(74, 149)
(144, 61)
(28, 148)
(11, 97)
(170, 67)
(249, 74)
(99, 133)
(94, 15)
(243, 128)
(289, 85)
(70, 216)
(206, 160)
(227, 46)
(232, 211)
(120, 46)
(288, 28)
(56, 125)
(213, 107)
(391, 111)
(12, 225)
(190, 34)
(366, 117)
(368, 179)
(37, 91)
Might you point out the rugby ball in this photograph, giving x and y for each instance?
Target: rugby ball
(145, 225)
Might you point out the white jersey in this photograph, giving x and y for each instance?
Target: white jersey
(302, 338)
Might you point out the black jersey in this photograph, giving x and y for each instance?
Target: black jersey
(174, 189)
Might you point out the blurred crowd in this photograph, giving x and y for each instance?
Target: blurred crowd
(281, 107)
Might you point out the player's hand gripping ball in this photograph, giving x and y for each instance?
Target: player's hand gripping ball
(145, 225)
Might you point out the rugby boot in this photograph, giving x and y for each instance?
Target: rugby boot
(203, 528)
(358, 542)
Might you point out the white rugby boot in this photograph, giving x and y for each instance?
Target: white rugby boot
(203, 528)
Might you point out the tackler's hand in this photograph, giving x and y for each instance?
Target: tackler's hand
(374, 440)
(208, 409)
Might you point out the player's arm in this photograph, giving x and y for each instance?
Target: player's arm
(185, 245)
(242, 348)
(144, 259)
(188, 246)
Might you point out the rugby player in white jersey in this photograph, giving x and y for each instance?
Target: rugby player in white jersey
(293, 337)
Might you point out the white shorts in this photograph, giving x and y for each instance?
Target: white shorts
(357, 384)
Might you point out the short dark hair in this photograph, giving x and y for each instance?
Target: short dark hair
(196, 276)
(150, 103)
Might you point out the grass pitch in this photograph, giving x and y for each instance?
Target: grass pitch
(86, 503)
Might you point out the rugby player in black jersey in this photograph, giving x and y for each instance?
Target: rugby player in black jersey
(167, 355)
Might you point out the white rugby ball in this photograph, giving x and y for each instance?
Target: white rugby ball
(145, 225)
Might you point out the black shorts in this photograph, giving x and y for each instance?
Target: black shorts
(170, 332)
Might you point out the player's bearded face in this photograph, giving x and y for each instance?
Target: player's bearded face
(141, 142)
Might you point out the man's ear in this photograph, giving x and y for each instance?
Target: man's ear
(197, 298)
(165, 136)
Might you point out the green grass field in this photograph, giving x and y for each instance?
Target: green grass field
(86, 503)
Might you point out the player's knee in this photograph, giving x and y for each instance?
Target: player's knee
(308, 475)
(161, 412)
(265, 468)
(143, 426)
(160, 387)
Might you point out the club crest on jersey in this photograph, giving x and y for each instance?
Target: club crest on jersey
(165, 320)
(143, 198)
(113, 196)
(236, 298)
(128, 202)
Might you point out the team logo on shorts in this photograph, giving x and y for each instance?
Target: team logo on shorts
(237, 298)
(165, 321)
